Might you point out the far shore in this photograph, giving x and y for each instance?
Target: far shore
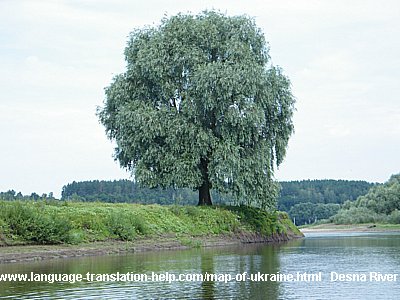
(370, 227)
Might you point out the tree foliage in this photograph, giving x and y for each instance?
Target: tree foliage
(380, 204)
(200, 106)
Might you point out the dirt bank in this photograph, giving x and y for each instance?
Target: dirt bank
(12, 254)
(351, 228)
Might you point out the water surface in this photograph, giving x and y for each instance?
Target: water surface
(318, 253)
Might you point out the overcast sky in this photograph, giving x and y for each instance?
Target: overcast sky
(56, 57)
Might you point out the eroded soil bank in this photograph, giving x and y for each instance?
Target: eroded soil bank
(13, 254)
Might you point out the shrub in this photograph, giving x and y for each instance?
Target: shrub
(258, 220)
(125, 225)
(3, 230)
(394, 217)
(30, 222)
(77, 236)
(357, 215)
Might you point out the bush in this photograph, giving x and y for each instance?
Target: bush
(140, 224)
(258, 220)
(394, 217)
(357, 215)
(3, 230)
(77, 236)
(90, 221)
(126, 225)
(29, 222)
(121, 226)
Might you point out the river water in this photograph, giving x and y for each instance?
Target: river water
(320, 266)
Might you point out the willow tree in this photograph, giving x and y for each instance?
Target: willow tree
(200, 106)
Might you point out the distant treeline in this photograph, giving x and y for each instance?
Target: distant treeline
(13, 195)
(308, 201)
(127, 191)
(320, 191)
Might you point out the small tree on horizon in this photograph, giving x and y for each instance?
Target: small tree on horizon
(200, 106)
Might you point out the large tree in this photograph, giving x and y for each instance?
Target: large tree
(200, 106)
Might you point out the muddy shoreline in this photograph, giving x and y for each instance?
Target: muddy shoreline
(350, 228)
(26, 253)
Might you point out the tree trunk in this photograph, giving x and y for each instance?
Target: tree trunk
(204, 194)
(204, 189)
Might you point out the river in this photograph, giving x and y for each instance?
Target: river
(319, 266)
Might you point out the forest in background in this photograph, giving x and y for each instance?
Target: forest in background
(308, 201)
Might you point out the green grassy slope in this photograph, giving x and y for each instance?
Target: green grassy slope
(59, 222)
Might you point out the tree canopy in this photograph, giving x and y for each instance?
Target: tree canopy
(201, 106)
(380, 204)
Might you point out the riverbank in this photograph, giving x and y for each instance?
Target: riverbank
(368, 227)
(26, 253)
(56, 229)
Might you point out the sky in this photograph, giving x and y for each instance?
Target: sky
(56, 58)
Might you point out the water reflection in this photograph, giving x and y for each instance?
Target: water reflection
(316, 253)
(207, 267)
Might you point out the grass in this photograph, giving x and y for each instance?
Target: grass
(61, 222)
(388, 226)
